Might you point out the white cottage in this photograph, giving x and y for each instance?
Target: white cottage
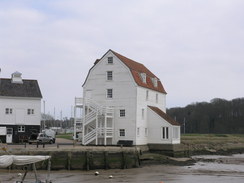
(125, 103)
(20, 108)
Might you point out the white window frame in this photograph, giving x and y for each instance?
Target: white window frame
(109, 75)
(155, 82)
(8, 111)
(21, 128)
(156, 97)
(143, 77)
(122, 113)
(109, 93)
(165, 133)
(142, 113)
(122, 132)
(110, 60)
(146, 132)
(138, 131)
(30, 111)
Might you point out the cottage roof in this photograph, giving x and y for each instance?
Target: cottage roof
(164, 115)
(29, 88)
(137, 69)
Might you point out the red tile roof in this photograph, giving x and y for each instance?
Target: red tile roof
(164, 116)
(138, 68)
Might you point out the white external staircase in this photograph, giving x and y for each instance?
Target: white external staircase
(97, 123)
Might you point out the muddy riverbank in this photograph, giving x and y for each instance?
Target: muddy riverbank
(225, 169)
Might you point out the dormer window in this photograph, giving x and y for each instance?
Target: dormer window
(110, 60)
(144, 77)
(155, 81)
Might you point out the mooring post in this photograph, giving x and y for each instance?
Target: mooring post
(87, 160)
(69, 160)
(124, 165)
(105, 160)
(137, 158)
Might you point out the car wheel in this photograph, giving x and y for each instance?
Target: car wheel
(51, 142)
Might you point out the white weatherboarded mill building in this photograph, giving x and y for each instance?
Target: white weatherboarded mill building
(20, 108)
(125, 103)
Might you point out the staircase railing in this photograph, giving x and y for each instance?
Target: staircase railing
(89, 137)
(90, 117)
(94, 111)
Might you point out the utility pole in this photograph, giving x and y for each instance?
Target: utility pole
(184, 125)
(44, 119)
(61, 119)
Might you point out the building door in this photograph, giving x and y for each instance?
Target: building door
(9, 136)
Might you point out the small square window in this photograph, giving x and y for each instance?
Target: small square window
(21, 128)
(110, 75)
(122, 113)
(110, 60)
(30, 111)
(122, 132)
(109, 93)
(8, 111)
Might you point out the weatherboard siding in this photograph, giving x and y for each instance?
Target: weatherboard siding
(124, 94)
(142, 103)
(156, 123)
(19, 115)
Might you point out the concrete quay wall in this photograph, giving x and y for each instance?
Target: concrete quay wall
(83, 158)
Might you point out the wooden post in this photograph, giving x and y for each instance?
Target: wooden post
(105, 160)
(87, 160)
(69, 160)
(124, 165)
(137, 158)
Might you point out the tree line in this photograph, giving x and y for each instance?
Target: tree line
(217, 116)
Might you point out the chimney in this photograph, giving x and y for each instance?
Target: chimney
(16, 78)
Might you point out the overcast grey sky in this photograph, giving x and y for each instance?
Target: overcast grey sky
(196, 47)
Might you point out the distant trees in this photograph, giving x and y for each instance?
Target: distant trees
(218, 116)
(51, 122)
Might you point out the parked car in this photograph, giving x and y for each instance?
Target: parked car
(41, 138)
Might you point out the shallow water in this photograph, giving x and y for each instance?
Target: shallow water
(226, 169)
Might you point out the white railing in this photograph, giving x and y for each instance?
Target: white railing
(78, 101)
(94, 110)
(90, 117)
(89, 137)
(79, 120)
(108, 131)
